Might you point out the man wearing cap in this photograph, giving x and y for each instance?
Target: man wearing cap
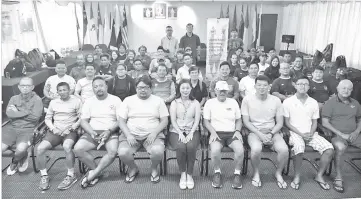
(192, 40)
(222, 118)
(169, 42)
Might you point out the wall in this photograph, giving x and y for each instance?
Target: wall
(149, 32)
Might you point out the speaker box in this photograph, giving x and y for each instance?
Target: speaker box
(288, 39)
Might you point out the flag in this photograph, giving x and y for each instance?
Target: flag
(100, 24)
(85, 21)
(227, 12)
(241, 25)
(254, 27)
(110, 20)
(234, 24)
(107, 29)
(221, 14)
(120, 37)
(125, 29)
(259, 27)
(247, 37)
(113, 39)
(93, 27)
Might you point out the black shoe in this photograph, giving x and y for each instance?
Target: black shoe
(217, 180)
(237, 181)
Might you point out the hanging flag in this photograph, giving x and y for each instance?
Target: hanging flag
(254, 27)
(234, 24)
(85, 21)
(100, 24)
(259, 27)
(110, 20)
(113, 39)
(120, 37)
(227, 12)
(107, 31)
(93, 27)
(221, 14)
(247, 37)
(125, 29)
(241, 25)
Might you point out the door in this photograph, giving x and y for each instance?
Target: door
(268, 31)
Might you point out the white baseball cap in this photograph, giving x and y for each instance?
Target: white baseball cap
(222, 86)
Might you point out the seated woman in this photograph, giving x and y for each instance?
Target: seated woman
(163, 87)
(138, 70)
(122, 53)
(273, 71)
(184, 136)
(199, 88)
(129, 61)
(114, 59)
(142, 120)
(89, 60)
(122, 85)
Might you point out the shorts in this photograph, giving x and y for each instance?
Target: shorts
(226, 138)
(318, 143)
(14, 136)
(55, 140)
(89, 138)
(356, 143)
(123, 143)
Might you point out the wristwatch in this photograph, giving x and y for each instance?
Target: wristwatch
(236, 131)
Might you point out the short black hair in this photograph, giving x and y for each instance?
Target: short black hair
(302, 77)
(121, 44)
(62, 84)
(189, 24)
(169, 27)
(125, 67)
(162, 65)
(145, 79)
(104, 55)
(225, 63)
(99, 78)
(160, 48)
(253, 63)
(187, 54)
(272, 49)
(184, 81)
(299, 56)
(60, 62)
(90, 64)
(287, 53)
(193, 68)
(318, 68)
(138, 60)
(262, 78)
(142, 46)
(239, 48)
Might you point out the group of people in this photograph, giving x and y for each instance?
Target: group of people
(123, 106)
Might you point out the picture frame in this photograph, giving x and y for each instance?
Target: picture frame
(148, 13)
(26, 22)
(172, 12)
(160, 10)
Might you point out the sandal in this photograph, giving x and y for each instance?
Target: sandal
(338, 185)
(256, 183)
(129, 179)
(295, 186)
(282, 185)
(324, 186)
(84, 183)
(155, 179)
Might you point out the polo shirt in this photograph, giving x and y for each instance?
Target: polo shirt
(239, 73)
(232, 85)
(319, 91)
(198, 93)
(192, 41)
(262, 113)
(342, 116)
(301, 114)
(222, 115)
(283, 86)
(183, 73)
(247, 84)
(171, 44)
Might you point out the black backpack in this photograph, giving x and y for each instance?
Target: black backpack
(15, 68)
(23, 56)
(36, 58)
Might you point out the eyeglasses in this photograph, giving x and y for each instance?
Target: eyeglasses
(304, 85)
(143, 87)
(25, 86)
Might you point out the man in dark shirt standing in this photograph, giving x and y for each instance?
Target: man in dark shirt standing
(192, 40)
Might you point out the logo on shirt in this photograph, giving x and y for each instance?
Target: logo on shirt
(282, 84)
(352, 106)
(112, 107)
(325, 87)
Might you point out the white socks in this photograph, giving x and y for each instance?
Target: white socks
(217, 171)
(237, 172)
(43, 172)
(71, 172)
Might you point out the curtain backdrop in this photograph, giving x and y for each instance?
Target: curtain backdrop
(317, 24)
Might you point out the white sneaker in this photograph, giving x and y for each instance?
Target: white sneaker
(183, 181)
(190, 182)
(11, 171)
(24, 164)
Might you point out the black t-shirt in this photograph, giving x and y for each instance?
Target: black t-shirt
(283, 86)
(176, 65)
(332, 84)
(239, 73)
(198, 93)
(122, 57)
(233, 69)
(105, 71)
(319, 91)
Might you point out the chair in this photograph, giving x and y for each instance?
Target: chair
(88, 47)
(104, 48)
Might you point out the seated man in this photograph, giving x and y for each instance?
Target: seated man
(99, 122)
(77, 70)
(142, 120)
(163, 87)
(224, 70)
(105, 70)
(65, 112)
(222, 118)
(297, 70)
(246, 85)
(263, 116)
(24, 111)
(342, 116)
(319, 90)
(155, 62)
(50, 90)
(283, 87)
(183, 72)
(287, 57)
(301, 113)
(84, 88)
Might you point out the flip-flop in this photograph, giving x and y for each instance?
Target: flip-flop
(324, 186)
(129, 179)
(282, 185)
(155, 179)
(84, 183)
(337, 187)
(257, 184)
(295, 186)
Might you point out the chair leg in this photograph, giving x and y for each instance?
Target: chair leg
(202, 160)
(207, 162)
(354, 165)
(33, 158)
(120, 166)
(165, 163)
(80, 167)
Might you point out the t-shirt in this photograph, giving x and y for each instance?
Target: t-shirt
(342, 116)
(145, 61)
(105, 71)
(198, 93)
(121, 88)
(77, 73)
(64, 113)
(222, 115)
(319, 91)
(232, 85)
(102, 113)
(143, 116)
(233, 68)
(177, 65)
(262, 113)
(247, 84)
(193, 42)
(301, 114)
(137, 74)
(283, 86)
(295, 74)
(154, 65)
(183, 73)
(54, 80)
(239, 73)
(85, 86)
(163, 89)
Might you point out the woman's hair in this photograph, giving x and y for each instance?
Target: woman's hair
(111, 57)
(187, 54)
(131, 51)
(278, 59)
(184, 81)
(121, 44)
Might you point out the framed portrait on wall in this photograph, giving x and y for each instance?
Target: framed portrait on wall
(148, 13)
(160, 10)
(7, 26)
(172, 12)
(26, 22)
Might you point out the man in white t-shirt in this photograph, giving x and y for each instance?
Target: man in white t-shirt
(99, 122)
(222, 118)
(142, 119)
(50, 91)
(262, 114)
(183, 72)
(84, 88)
(262, 65)
(246, 85)
(301, 113)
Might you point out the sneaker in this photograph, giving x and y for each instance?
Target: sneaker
(24, 164)
(190, 182)
(183, 181)
(237, 182)
(67, 182)
(12, 169)
(44, 183)
(217, 180)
